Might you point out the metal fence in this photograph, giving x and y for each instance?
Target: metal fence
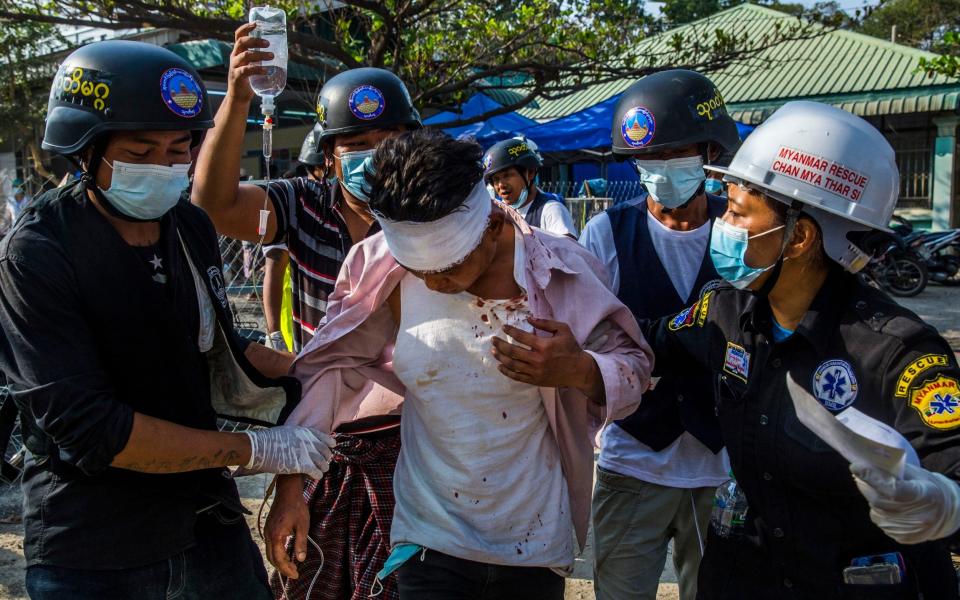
(615, 190)
(582, 206)
(915, 168)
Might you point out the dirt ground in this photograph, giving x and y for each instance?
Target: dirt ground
(938, 305)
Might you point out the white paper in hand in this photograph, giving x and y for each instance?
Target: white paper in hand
(857, 437)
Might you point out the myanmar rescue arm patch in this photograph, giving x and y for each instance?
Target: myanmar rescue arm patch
(922, 386)
(681, 342)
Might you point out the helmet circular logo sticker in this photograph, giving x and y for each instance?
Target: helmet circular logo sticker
(835, 385)
(366, 102)
(181, 92)
(487, 161)
(638, 127)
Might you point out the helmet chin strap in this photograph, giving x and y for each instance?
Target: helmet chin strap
(88, 181)
(527, 183)
(792, 215)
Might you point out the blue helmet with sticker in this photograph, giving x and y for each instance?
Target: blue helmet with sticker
(668, 110)
(122, 85)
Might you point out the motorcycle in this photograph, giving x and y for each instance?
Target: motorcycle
(894, 266)
(939, 250)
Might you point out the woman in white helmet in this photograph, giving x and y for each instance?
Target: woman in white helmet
(806, 190)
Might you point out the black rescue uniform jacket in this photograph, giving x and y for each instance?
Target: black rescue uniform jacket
(89, 339)
(806, 520)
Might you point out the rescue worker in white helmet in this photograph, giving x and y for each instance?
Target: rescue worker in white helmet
(806, 190)
(120, 352)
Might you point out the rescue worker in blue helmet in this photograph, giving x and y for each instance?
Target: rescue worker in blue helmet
(794, 333)
(120, 352)
(659, 467)
(510, 170)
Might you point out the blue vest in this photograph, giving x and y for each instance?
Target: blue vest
(676, 404)
(536, 208)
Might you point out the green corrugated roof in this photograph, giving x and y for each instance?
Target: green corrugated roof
(863, 74)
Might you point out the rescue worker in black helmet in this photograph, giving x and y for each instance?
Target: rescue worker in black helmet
(510, 171)
(120, 352)
(796, 334)
(659, 467)
(311, 154)
(319, 221)
(276, 279)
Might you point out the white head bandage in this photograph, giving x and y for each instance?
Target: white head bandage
(438, 245)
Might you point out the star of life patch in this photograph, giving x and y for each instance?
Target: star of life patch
(835, 384)
(938, 402)
(736, 361)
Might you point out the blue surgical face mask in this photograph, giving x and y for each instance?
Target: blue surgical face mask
(672, 182)
(355, 166)
(728, 249)
(146, 192)
(713, 186)
(522, 199)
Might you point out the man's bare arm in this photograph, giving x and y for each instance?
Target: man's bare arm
(272, 363)
(233, 207)
(158, 446)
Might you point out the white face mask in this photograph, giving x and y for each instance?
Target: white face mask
(672, 182)
(146, 192)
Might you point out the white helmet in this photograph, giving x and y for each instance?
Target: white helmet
(836, 164)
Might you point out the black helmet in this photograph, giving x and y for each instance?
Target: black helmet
(311, 153)
(515, 152)
(362, 99)
(671, 109)
(122, 86)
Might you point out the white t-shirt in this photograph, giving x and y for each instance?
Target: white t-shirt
(554, 218)
(680, 253)
(479, 474)
(686, 463)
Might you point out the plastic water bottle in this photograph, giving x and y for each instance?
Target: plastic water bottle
(271, 26)
(729, 510)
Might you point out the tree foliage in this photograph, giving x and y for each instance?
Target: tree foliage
(445, 50)
(947, 63)
(27, 72)
(920, 23)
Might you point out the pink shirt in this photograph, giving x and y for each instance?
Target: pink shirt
(346, 369)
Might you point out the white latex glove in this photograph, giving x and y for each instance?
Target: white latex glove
(290, 449)
(275, 340)
(921, 507)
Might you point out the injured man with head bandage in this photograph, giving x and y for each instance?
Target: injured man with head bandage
(506, 351)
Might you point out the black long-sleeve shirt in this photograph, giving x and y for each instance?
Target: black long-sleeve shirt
(806, 520)
(90, 339)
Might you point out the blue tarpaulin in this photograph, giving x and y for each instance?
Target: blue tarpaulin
(487, 132)
(587, 128)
